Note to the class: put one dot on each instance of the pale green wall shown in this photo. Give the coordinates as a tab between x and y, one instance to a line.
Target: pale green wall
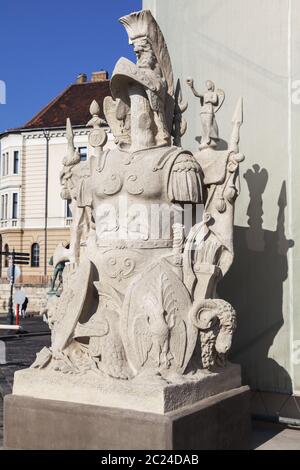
251	49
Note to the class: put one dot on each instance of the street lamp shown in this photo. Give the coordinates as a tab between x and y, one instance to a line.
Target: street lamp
47	137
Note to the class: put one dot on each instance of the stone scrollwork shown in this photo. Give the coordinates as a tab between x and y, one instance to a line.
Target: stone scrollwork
118	272
132	185
112	185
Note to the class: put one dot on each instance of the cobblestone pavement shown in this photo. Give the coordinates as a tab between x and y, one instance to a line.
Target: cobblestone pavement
20	352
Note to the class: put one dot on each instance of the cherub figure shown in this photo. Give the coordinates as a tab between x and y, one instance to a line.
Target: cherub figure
210	101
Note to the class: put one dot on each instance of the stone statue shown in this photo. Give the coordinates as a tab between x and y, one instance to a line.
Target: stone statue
139	323
210	101
58	260
57	275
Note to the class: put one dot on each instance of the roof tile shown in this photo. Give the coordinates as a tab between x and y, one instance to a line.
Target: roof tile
73	102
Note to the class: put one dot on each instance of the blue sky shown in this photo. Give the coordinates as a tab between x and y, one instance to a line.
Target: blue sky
45	44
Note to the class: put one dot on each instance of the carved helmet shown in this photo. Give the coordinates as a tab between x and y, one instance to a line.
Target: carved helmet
153	69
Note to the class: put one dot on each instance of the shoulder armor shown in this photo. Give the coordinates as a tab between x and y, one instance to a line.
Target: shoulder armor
185	162
185	179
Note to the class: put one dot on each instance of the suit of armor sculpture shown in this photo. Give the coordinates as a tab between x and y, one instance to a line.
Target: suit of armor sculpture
139	302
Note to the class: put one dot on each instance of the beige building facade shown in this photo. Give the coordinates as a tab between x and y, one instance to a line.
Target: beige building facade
28	222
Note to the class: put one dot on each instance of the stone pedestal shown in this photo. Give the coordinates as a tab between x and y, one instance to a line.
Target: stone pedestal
156	396
218	422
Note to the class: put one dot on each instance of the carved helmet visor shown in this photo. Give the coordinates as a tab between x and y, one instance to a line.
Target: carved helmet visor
126	73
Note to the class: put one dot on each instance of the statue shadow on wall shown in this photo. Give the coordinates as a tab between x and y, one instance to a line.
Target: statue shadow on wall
254	286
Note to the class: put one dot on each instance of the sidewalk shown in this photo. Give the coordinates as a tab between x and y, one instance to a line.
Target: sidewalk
267	436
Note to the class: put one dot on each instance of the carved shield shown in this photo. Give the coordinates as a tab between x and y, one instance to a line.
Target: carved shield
71	304
156	330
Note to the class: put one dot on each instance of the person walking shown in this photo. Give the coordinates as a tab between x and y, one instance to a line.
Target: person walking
24	307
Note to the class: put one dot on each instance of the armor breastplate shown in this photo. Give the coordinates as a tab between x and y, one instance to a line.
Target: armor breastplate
129	192
136	174
134	201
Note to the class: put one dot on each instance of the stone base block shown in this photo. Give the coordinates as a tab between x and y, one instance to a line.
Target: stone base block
151	395
219	422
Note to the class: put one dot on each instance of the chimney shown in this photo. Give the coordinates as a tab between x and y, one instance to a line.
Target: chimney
99	76
81	78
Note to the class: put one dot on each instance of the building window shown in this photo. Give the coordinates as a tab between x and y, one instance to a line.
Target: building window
5	164
35	255
0	256
83	153
68	209
6	259
4	206
16	162
15	206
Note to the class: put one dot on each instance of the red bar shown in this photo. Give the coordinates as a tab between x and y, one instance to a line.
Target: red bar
17	315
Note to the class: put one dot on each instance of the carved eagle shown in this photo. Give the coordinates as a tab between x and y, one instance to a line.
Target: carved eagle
158	332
